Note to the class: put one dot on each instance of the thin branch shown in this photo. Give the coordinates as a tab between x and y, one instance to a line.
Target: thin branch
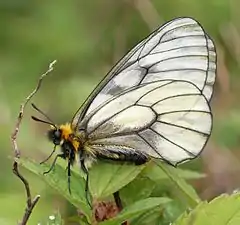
30	203
118	203
118	200
22	107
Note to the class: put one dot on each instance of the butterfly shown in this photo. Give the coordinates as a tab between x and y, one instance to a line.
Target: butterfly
154	104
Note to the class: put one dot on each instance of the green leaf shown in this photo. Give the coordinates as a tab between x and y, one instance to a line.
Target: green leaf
136	209
172	211
139	188
77	219
153	172
152	217
187	193
223	210
107	178
57	179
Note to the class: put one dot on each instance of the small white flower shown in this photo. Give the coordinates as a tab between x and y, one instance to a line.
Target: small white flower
52	217
235	191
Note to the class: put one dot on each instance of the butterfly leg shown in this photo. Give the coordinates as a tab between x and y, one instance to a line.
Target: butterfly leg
87	182
69	175
84	169
45	160
54	162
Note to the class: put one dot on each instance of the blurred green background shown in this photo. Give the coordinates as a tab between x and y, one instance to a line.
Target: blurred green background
87	38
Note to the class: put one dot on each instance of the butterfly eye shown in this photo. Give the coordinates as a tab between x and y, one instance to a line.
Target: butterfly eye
57	134
57	137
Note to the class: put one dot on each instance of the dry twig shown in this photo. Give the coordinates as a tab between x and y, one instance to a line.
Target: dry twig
30	203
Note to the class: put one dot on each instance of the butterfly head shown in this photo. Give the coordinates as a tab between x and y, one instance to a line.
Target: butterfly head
55	132
55	135
59	134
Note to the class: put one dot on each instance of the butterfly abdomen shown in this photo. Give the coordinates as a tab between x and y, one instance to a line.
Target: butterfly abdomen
132	157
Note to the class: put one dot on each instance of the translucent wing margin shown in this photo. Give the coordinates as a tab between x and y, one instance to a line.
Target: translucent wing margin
179	50
168	119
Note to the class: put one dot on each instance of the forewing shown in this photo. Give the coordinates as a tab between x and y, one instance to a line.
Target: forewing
167	119
179	50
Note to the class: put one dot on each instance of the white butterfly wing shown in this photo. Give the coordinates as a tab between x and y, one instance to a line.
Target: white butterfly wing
170	120
179	50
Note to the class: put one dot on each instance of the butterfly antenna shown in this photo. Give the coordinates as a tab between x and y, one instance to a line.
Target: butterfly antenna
50	122
40	111
43	121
